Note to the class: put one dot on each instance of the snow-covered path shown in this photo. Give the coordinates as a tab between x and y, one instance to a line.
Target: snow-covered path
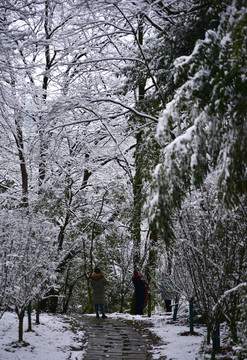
54	339
173	346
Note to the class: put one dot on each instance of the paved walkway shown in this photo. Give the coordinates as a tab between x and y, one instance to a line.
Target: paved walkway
112	339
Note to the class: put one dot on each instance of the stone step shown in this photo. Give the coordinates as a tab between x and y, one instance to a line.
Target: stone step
112	339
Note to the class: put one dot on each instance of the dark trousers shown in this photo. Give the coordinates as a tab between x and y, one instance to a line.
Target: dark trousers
139	306
168	305
102	310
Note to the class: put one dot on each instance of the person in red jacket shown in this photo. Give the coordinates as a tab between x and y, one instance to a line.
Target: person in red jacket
140	292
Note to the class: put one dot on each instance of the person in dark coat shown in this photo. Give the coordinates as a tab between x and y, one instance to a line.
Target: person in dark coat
140	292
98	282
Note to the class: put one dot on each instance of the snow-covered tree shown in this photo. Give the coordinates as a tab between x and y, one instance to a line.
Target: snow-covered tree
207	115
27	259
209	255
202	132
58	135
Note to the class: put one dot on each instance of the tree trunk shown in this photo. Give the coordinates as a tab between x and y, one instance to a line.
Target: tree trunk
38	313
66	303
122	304
24	176
151	265
29	312
90	296
137	211
20	315
51	301
133	304
149	305
138	178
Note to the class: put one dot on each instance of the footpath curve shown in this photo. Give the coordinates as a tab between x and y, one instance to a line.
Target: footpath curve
112	339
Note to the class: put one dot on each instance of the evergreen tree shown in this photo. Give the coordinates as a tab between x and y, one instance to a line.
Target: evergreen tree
207	115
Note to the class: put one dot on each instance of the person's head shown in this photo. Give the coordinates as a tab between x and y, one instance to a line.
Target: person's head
97	270
135	272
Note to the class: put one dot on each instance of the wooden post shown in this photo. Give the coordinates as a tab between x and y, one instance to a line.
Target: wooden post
191	316
149	305
175	311
216	337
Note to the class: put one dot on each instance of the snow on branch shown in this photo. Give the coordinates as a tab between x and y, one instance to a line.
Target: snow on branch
136	112
227	293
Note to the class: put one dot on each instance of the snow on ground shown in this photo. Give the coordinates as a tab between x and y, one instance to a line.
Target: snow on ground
177	346
54	340
51	340
174	346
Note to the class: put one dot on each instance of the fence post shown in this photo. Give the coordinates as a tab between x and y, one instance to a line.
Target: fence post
175	309
216	336
191	316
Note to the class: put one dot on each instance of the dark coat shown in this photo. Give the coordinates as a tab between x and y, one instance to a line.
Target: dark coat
139	285
98	282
